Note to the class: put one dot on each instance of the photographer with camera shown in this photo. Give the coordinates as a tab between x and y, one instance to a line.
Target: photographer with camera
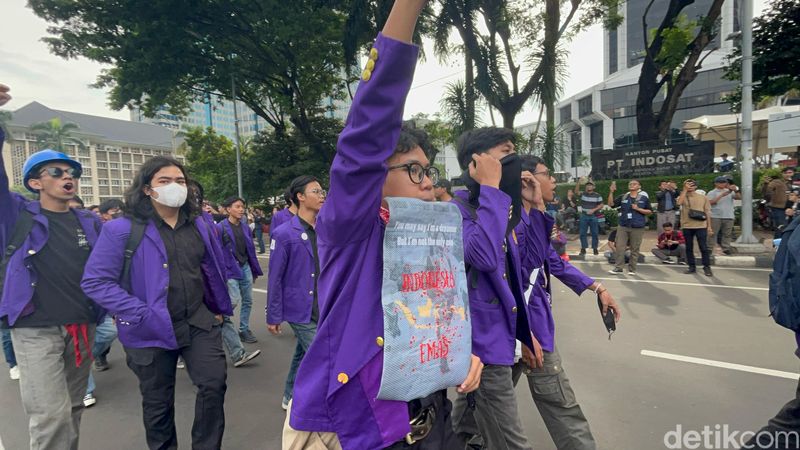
696	222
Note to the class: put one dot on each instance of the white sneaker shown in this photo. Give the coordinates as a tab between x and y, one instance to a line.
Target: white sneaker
285	404
89	400
13	373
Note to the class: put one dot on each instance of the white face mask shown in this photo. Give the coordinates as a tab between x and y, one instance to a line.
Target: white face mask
172	195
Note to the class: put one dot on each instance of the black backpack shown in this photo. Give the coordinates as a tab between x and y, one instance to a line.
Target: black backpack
784	281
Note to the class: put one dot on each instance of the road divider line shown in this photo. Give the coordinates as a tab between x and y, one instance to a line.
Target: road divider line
749	269
263	291
722	365
676	283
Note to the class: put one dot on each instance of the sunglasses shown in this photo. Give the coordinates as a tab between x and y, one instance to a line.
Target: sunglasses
58	172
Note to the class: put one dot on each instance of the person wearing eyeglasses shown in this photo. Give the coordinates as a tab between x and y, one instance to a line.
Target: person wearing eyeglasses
335	402
52	321
293	273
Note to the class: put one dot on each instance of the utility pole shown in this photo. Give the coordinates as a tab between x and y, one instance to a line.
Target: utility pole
747	125
238	139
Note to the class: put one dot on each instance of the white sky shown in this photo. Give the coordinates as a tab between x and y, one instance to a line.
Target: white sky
34	74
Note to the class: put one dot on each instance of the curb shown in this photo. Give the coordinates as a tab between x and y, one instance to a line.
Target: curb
759	261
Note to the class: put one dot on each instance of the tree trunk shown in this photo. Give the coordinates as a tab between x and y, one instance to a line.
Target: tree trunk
469	86
549	87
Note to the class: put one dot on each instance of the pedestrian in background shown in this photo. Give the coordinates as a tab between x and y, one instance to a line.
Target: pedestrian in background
590	203
722	212
696	224
777	193
667	199
634	207
670	243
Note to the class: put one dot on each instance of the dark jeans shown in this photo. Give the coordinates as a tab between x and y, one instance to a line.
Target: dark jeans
588	223
782	430
441	436
702	242
304	332
8	348
155	368
260	238
778	218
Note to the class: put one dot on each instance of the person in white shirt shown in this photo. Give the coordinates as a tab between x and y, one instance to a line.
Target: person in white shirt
722	216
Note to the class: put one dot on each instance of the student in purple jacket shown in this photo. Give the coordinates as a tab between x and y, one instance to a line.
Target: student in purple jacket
335	393
559	409
285	214
293	273
52	322
239	241
171	302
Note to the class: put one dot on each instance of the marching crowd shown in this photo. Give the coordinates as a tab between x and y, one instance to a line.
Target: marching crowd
158	272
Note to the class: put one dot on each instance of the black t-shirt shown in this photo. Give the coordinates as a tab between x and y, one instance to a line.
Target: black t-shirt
239	244
57	297
312	238
185	250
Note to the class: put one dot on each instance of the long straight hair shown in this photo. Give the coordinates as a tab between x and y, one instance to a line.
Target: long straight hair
138	205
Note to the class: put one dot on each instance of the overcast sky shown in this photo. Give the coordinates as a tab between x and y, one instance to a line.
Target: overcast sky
34	74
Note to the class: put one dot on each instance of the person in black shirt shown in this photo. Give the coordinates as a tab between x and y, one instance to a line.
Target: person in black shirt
51	320
293	274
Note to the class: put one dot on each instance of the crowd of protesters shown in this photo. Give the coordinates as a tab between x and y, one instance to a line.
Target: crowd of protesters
163	270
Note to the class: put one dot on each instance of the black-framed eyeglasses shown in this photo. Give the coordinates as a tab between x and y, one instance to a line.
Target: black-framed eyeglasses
417	173
58	172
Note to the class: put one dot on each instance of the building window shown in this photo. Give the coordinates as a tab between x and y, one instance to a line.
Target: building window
102	182
585	106
87	171
113	165
565	113
115	182
596	135
612	51
86	191
126	166
575	147
101	156
102	165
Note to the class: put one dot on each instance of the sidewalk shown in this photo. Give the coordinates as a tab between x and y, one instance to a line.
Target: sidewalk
650	240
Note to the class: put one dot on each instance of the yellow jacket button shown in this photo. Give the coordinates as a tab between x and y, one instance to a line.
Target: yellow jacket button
343	378
370	64
31	252
366	75
373	54
379	341
165	265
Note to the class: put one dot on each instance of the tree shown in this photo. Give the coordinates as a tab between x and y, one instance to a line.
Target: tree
776	53
56	135
5	120
211	160
673	57
500	48
286	56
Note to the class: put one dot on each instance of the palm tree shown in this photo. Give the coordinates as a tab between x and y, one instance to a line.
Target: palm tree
56	135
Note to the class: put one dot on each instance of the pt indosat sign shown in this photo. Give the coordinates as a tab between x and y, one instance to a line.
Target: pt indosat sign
638	162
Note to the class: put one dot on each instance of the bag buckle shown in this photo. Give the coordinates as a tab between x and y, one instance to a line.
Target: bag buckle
421	425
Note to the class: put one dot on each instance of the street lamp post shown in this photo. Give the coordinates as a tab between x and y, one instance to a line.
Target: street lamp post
746	236
238	139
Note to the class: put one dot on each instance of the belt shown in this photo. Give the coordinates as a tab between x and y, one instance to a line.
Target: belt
421	425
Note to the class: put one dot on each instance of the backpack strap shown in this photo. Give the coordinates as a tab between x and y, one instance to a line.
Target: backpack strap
134	239
471	209
22	228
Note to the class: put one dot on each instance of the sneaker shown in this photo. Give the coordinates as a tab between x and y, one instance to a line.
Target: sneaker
248	337
707	271
181	364
594	250
616	271
285	404
101	363
89	400
13	373
668	261
246	357
690	270
727	252
583	251
631	272
682	262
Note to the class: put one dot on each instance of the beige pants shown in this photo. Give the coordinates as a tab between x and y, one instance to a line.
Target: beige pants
307	440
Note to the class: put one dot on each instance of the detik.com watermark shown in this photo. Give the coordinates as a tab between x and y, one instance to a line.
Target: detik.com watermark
722	437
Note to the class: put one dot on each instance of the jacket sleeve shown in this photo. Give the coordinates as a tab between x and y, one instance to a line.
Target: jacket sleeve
278	261
483	238
102	273
567	273
536	243
367	141
10	202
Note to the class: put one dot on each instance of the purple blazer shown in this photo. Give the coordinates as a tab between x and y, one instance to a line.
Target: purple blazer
337	383
290	292
280	218
142	316
226	227
533	231
492	303
20	279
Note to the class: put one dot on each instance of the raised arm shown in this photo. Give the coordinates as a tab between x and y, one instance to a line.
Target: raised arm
371	132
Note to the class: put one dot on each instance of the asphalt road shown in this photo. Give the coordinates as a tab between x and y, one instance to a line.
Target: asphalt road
631	399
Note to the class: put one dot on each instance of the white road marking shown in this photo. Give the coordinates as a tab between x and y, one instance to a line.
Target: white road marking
263	291
721	364
622	279
749	269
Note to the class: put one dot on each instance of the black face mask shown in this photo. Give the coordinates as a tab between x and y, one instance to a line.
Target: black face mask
511	184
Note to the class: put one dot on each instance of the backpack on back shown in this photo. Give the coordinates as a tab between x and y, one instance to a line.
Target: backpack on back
784	281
